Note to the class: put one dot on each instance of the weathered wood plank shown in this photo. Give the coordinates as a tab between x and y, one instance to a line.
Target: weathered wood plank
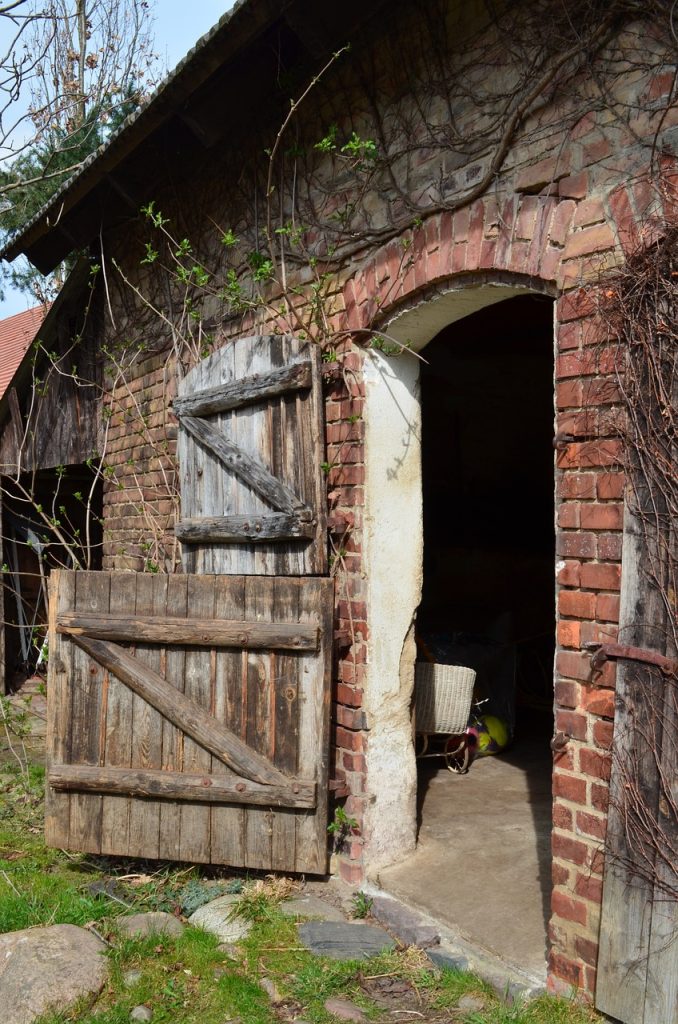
173	738
144	819
89	683
260	823
638	951
227	823
199	682
246	529
203	788
257	388
249	469
192	632
185	713
285	712
316	605
59	673
118	732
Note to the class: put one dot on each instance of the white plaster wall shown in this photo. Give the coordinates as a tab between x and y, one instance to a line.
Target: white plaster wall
393	551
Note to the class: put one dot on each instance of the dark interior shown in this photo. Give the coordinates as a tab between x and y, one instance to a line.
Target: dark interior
71	497
488	594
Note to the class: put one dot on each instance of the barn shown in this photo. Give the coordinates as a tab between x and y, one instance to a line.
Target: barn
368	360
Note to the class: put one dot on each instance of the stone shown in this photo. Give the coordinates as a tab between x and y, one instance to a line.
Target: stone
471	1004
271	991
141	1013
344	941
446	960
215	917
311	906
156	922
46	968
344	1009
231	951
408	926
131	978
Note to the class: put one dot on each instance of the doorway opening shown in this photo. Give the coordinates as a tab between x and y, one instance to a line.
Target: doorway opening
482	864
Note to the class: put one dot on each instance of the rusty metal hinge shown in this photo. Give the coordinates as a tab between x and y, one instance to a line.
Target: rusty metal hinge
603	652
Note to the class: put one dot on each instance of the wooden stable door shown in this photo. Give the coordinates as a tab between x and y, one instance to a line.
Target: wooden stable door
188	717
251	448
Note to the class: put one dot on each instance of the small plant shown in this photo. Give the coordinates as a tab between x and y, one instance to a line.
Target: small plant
259	898
341	827
362	905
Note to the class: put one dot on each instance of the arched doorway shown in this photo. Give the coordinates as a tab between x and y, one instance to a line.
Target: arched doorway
470	430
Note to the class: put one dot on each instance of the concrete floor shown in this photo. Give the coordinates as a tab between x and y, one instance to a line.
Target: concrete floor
482	867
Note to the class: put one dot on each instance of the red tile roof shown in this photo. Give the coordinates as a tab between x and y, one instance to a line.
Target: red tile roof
16	334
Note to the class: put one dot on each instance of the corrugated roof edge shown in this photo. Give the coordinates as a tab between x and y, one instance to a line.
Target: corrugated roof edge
153	106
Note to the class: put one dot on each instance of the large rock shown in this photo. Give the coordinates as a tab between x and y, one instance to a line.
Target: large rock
155	922
45	968
343	941
215	917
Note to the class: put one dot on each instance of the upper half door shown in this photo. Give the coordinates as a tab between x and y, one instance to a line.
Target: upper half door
251	446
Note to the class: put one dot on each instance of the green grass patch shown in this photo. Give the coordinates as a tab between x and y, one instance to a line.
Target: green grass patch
188	980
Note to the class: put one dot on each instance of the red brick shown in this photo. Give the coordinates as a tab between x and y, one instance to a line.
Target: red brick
569	394
574	665
600	797
577	545
599	702
607	608
569	335
569	635
603	734
601	517
595	764
349	740
591	825
568	515
589	887
569	788
351	873
544	172
587	949
577	303
560	875
610	547
574	187
576	605
568	970
585	454
349	695
562	817
572	724
568	574
577	485
561	222
589	211
589	983
600	577
567	908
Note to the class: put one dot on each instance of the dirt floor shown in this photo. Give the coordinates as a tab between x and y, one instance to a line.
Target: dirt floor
482	867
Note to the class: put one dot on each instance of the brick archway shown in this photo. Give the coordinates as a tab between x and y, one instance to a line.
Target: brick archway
437	272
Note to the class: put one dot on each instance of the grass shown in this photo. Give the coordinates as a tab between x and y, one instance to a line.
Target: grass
189	980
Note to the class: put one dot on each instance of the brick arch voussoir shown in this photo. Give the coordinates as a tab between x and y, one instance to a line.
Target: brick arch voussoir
523	236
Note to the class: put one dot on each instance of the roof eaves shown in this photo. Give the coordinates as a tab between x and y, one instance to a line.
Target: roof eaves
188	75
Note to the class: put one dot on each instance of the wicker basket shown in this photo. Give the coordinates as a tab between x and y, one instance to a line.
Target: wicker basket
442	697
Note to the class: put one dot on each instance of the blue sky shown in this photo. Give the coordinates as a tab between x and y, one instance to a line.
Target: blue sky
178	24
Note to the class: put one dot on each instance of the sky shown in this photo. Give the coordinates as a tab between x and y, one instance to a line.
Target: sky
178	24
